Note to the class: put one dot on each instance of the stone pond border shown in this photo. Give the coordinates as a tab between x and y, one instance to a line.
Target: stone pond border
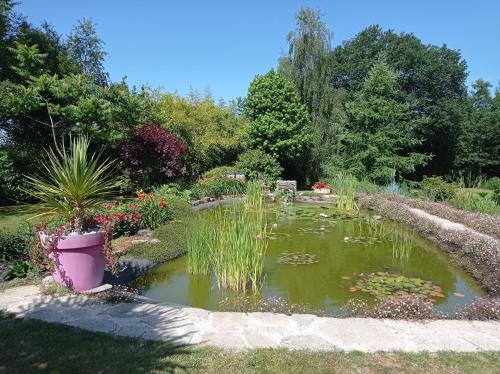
239	331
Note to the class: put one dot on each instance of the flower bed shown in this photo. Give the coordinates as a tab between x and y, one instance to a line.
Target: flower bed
478	255
484	223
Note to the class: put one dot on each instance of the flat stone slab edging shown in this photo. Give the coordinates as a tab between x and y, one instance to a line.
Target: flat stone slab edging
239	331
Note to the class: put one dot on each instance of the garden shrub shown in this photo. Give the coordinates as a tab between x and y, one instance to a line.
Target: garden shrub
21	269
257	164
219	172
13	185
484	309
16	245
174	189
482	202
125	219
491	184
496	196
173	243
156	209
153	155
437	189
146	211
217	187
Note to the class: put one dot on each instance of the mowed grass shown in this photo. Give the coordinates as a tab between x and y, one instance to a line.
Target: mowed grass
13	216
28	346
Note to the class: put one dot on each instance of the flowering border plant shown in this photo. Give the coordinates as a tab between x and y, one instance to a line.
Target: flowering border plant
320	185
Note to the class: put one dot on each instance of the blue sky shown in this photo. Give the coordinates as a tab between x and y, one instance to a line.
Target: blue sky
222	45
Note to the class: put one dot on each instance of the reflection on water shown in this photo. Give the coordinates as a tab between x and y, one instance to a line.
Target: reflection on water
342	248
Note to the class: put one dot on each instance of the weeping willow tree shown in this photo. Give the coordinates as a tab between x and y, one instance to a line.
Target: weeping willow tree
308	65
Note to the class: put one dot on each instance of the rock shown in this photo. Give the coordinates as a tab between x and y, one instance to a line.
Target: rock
144	232
377	217
324	215
48	279
102	288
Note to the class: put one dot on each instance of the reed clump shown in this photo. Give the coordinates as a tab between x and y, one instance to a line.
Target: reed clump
346	187
231	243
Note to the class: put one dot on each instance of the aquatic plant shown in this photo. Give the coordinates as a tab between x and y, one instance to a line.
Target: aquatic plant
199	239
232	243
402	243
254	195
296	258
383	285
345	185
373	227
365	240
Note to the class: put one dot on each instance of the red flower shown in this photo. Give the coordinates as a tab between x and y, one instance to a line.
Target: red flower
319	185
163	203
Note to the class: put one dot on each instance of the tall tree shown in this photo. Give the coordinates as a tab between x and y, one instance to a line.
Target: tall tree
479	143
279	122
432	80
380	131
85	47
308	66
308	49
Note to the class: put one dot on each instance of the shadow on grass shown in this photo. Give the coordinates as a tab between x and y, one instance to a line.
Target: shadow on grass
120	340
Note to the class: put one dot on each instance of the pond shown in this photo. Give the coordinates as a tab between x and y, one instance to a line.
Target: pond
321	257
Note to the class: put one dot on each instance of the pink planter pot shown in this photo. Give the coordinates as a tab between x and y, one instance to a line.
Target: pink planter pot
79	260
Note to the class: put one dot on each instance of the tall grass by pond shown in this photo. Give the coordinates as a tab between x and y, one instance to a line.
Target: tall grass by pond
345	185
402	239
200	237
232	243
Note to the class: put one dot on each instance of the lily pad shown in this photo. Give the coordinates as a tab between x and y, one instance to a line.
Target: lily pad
296	258
383	285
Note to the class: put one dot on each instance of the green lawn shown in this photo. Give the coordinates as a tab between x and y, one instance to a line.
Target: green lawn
12	216
32	346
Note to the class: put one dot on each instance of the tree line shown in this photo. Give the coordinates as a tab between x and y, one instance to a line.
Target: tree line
382	106
386	105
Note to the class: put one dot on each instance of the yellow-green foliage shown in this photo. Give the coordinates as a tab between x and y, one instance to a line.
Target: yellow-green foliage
212	132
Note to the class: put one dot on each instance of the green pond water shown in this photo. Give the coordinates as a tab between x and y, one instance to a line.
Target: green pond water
338	249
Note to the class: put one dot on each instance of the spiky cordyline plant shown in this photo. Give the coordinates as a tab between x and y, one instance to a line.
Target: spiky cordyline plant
74	182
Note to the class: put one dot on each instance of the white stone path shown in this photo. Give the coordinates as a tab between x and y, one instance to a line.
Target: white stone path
185	325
